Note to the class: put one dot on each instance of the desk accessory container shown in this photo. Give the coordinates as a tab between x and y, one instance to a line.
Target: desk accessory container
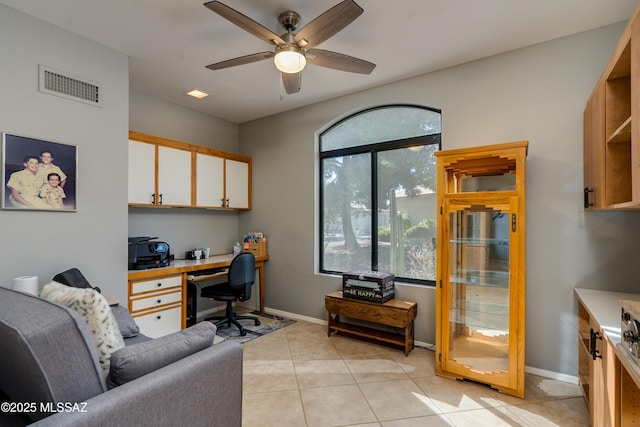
255	243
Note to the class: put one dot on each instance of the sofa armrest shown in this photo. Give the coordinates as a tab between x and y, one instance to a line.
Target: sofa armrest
204	389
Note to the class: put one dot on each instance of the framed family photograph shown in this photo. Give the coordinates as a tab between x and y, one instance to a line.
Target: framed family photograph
38	174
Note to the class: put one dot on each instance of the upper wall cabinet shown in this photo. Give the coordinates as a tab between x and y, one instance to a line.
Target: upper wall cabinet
611	143
237	177
209	181
163	172
222	182
159	175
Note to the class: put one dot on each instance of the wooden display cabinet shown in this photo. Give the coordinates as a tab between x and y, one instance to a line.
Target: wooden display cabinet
480	293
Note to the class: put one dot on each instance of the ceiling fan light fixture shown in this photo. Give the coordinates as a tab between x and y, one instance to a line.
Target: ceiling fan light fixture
289	60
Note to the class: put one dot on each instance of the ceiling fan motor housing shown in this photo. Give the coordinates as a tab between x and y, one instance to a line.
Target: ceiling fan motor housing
289	20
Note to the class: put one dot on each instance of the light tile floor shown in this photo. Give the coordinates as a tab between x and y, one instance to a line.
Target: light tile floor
299	377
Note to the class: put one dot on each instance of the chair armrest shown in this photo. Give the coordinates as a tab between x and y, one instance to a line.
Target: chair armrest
203	389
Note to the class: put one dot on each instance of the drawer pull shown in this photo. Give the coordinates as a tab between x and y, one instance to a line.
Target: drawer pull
159	301
159	284
158	317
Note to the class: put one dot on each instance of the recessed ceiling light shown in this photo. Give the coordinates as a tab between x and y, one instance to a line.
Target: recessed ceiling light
197	94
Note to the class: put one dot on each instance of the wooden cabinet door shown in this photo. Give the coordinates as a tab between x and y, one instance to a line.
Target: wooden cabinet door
480	323
209	181
605	382
237	184
174	176
142	173
594	146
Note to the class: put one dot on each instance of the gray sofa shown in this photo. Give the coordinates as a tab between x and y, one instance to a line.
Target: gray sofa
50	376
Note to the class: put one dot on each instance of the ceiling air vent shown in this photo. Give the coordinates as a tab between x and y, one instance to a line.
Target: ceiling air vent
62	84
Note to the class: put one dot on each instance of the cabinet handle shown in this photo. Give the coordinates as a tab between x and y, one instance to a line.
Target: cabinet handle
153	198
222	202
158	317
160	199
159	284
592	344
587	190
159	301
227	202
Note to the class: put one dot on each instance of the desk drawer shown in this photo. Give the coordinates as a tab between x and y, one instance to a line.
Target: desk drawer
157	300
156	284
161	322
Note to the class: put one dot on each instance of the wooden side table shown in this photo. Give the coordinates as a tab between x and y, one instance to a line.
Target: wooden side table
396	313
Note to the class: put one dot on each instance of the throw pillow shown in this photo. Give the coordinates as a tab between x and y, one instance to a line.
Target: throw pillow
137	360
95	311
126	324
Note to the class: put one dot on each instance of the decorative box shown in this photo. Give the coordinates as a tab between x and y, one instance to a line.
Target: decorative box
372	286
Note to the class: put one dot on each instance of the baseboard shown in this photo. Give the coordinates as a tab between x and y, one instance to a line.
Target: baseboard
551	375
534	371
294	316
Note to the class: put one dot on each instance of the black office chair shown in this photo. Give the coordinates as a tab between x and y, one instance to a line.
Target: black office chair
241	275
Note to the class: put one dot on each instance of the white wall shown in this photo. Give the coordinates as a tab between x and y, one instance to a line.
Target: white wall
536	94
94	238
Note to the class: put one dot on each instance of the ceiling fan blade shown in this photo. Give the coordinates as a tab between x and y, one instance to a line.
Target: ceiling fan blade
328	24
292	82
339	61
245	22
247	59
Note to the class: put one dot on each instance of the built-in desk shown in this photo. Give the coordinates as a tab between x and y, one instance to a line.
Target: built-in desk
157	296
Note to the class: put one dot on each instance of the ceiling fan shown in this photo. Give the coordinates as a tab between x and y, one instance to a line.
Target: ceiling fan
294	50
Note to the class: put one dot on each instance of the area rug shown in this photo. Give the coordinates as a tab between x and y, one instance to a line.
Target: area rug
268	323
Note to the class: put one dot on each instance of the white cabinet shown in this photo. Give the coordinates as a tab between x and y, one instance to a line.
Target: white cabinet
164	172
142	173
160	323
157	305
209	181
237	184
159	175
222	182
174	176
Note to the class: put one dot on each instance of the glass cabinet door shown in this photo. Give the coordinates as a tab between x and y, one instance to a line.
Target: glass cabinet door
477	288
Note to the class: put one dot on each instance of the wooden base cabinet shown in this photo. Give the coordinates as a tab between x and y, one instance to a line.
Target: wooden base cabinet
157	304
608	373
480	289
598	371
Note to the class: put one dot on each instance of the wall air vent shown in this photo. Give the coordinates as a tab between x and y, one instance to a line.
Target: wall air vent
55	82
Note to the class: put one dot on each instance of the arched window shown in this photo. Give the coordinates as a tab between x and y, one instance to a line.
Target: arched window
377	193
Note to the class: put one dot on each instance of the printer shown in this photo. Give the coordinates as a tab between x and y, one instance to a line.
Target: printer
145	252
